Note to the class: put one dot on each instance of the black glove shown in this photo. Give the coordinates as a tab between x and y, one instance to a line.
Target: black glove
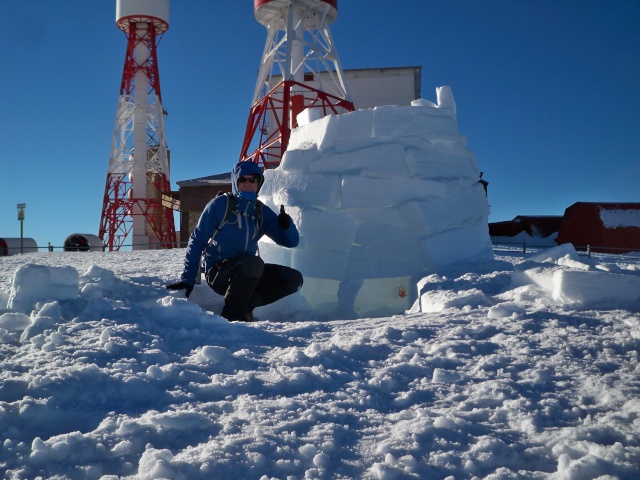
284	220
181	286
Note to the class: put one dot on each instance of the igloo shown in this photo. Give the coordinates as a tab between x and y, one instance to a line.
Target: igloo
382	197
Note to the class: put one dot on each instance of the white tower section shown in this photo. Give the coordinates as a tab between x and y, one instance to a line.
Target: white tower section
139	161
299	41
299	48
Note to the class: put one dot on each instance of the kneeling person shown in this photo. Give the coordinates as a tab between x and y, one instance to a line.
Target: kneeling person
232	267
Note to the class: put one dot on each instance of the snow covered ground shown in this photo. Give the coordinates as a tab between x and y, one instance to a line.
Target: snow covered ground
527	368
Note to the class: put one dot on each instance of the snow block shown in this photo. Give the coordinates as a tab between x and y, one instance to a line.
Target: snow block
540	276
338	164
439	300
320	262
382	160
309	115
427	160
96	281
595	288
14	321
37	283
383	218
385	192
384	296
445	249
296	161
328	228
370	298
275	253
445	100
367	262
355	125
462	205
320	135
319	190
421	102
570	281
392	121
373	235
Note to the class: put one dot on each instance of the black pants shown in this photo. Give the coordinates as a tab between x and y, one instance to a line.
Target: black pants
246	282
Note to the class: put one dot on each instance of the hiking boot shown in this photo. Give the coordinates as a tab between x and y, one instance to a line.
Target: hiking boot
247	317
236	316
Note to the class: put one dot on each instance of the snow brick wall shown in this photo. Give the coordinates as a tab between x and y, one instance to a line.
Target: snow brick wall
382	197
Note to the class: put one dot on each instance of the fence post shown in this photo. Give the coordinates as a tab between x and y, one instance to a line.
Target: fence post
524	247
589	251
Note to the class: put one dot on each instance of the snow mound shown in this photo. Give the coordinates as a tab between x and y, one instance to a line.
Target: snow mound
36	283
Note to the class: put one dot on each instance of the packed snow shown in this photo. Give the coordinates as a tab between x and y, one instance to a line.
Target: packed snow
524	368
381	197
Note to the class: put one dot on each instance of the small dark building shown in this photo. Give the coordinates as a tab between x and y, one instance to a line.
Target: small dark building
82	242
538	230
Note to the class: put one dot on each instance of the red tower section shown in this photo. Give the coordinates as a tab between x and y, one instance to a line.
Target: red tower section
300	70
138	176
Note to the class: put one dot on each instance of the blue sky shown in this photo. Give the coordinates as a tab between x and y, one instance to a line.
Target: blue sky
546	90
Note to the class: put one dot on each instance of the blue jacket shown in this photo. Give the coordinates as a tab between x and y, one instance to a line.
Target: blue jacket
239	235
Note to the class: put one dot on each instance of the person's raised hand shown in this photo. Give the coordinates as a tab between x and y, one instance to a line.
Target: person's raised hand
284	220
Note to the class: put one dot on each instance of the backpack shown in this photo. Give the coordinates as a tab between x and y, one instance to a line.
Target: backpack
232	203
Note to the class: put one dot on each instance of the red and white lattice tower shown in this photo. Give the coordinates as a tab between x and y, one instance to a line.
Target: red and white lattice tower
139	163
300	70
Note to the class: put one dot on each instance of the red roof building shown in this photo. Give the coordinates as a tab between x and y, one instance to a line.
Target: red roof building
603	227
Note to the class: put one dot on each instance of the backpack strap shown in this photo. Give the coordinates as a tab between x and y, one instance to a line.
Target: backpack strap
258	215
229	210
